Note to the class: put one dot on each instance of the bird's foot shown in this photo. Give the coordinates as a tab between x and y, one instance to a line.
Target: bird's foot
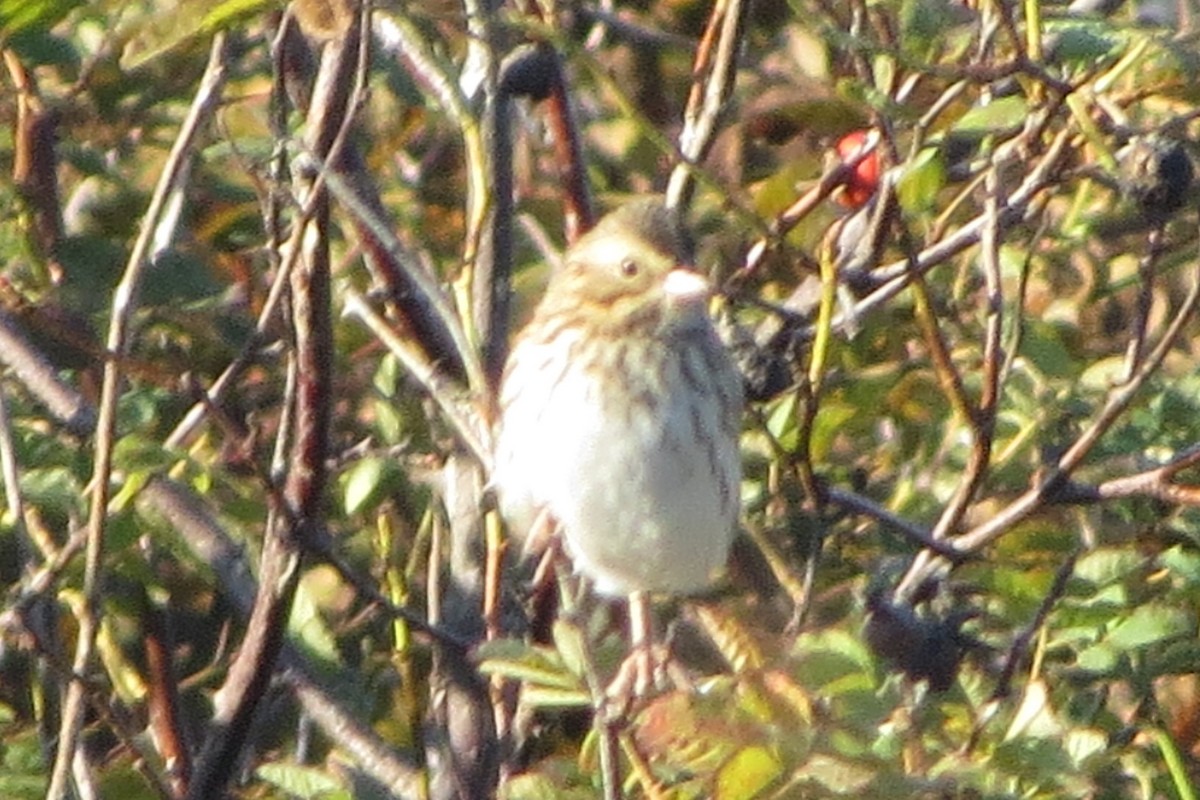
645	672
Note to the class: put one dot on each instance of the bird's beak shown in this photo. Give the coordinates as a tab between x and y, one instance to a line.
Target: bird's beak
682	285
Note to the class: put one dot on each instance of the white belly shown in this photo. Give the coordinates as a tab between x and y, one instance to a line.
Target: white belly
645	500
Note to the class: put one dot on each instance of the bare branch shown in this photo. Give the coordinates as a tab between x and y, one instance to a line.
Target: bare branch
713	77
124	304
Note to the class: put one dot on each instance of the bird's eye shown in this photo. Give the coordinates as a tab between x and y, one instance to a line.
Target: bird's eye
629	268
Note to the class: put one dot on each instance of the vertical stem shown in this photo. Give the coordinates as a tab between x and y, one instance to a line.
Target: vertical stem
124	305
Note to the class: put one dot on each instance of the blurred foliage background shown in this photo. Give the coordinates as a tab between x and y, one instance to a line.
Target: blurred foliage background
981	342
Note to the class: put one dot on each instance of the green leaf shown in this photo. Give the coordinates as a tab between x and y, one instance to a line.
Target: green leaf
231	12
1107	565
921	182
1102	373
54	489
1183	563
1045	346
361	482
17	16
545	697
1175	658
23	772
781	421
308	783
842	776
922	23
1149	624
41	48
181	22
135	452
308	627
830	418
516	660
177	278
832	654
570	644
751	770
124	781
1007	113
388	374
1038	758
1082	44
1101	659
532	787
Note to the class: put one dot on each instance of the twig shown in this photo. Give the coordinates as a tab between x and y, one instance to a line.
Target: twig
550	84
983	418
466	421
1054	482
1017	328
204	537
124	304
1154	483
401	38
434	296
861	505
492	267
939	352
209	544
41	379
164	724
9	471
1146	271
35	163
1020	644
340	82
286	36
712	85
1021	203
779	227
623	25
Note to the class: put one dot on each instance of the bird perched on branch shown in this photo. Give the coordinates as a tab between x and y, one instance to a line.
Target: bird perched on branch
620	412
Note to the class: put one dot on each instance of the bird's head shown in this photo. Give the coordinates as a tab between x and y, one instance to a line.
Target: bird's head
632	269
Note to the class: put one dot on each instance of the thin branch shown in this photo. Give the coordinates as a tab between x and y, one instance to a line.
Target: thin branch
1017	328
41	379
10	473
339	86
314	686
1156	483
1022	203
124	305
623	25
713	77
398	36
858	504
164	722
35	164
1020	644
779	227
1054	482
464	418
422	281
982	419
492	275
1155	245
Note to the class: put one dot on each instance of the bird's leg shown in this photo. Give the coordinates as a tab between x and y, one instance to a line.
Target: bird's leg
640	672
540	539
641	637
551	563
